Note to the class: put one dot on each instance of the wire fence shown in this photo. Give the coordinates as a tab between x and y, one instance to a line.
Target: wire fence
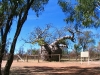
62	58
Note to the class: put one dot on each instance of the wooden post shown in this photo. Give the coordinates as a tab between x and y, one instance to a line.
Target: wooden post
59	57
17	59
88	60
38	58
81	60
27	58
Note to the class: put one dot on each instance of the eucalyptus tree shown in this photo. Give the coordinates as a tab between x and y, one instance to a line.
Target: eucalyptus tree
82	13
10	10
86	39
32	51
21	51
93	52
89	10
98	49
77	49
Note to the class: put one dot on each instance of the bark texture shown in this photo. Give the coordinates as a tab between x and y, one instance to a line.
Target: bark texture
47	51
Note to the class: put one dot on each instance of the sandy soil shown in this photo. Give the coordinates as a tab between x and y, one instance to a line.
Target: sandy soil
54	68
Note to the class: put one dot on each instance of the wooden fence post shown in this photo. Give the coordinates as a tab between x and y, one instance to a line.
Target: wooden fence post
27	58
38	58
17	59
59	57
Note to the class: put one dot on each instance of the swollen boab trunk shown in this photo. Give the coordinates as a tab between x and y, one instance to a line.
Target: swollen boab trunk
47	51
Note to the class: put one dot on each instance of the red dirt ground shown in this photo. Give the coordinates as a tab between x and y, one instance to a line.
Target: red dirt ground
55	68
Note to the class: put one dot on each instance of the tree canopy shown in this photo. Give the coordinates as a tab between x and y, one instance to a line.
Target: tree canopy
81	12
86	39
10	10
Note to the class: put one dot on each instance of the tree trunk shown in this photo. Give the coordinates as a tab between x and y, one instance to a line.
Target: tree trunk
49	52
1	63
8	64
11	56
3	39
21	20
46	52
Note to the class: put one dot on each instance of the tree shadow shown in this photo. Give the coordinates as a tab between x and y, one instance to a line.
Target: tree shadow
44	70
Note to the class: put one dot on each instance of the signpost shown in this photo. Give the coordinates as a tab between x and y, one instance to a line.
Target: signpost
85	55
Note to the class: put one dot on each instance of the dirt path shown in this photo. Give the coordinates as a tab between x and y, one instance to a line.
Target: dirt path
55	68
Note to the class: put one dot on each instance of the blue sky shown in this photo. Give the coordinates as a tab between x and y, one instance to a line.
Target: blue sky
52	14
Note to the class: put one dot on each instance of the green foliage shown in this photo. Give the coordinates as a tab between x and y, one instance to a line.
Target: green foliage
81	12
87	9
68	10
38	6
41	41
32	51
64	5
10	10
39	35
64	52
77	48
35	52
86	39
98	46
63	41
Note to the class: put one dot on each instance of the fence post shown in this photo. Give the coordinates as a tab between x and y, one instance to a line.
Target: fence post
17	59
26	58
38	58
59	57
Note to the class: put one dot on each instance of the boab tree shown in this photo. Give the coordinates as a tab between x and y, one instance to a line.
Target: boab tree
48	47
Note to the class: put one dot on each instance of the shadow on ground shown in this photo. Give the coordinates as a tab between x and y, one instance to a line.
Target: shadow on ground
74	70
